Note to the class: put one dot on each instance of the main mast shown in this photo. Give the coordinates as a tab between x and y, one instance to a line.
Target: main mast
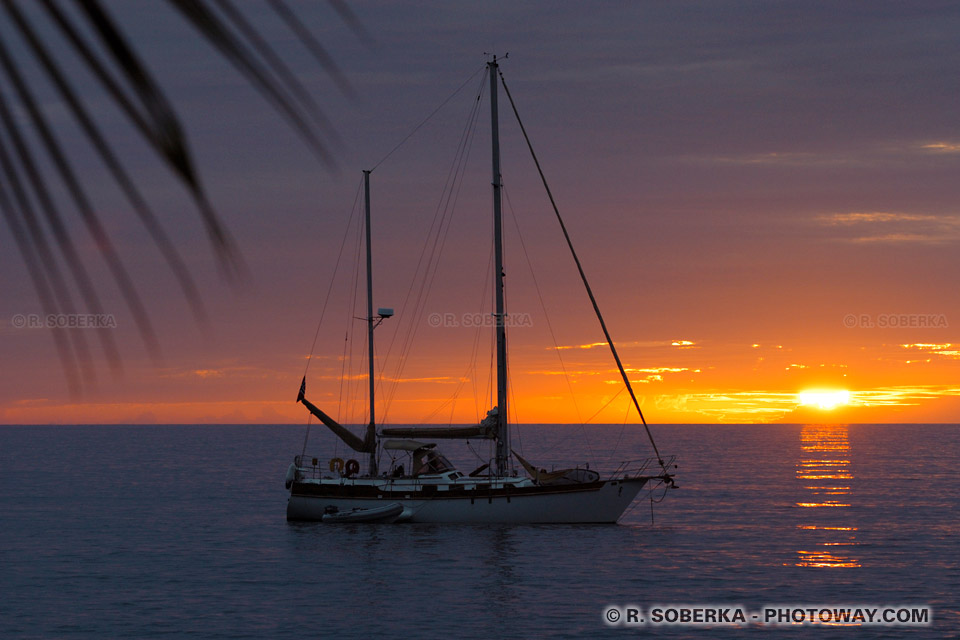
503	434
370	326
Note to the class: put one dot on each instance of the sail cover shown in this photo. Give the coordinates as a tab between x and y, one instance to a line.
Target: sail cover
486	430
430	433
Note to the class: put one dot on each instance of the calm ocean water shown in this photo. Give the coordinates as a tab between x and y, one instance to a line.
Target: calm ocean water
179	531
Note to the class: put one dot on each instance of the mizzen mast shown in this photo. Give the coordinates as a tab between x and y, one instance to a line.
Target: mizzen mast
372	428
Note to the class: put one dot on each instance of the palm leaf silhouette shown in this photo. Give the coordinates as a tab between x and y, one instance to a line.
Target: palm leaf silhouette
39	226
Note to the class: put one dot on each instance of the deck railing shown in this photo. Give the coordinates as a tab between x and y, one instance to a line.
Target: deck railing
645	467
311	467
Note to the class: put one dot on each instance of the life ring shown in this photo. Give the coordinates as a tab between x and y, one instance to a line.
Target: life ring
352	468
336	464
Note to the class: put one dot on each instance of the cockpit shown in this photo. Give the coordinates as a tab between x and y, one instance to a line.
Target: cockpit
426	461
429	462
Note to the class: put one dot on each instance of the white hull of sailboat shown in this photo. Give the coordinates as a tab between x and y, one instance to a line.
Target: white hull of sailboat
598	502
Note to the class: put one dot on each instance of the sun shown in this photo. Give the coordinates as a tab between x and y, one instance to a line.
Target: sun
825	400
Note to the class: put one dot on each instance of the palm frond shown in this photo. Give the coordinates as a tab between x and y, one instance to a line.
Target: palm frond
38	224
244	59
96	137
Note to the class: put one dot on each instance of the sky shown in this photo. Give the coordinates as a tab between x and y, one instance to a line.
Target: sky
763	195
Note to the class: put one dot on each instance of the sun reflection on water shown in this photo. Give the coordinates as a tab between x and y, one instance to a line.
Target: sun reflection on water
825	458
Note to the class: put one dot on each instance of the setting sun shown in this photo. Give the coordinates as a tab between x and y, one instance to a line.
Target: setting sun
824	399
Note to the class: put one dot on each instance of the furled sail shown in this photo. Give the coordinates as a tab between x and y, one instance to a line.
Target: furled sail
486	430
439	432
367	445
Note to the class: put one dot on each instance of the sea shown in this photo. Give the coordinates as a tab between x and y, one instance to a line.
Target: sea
180	532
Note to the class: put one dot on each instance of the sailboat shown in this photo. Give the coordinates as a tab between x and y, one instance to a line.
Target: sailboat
433	490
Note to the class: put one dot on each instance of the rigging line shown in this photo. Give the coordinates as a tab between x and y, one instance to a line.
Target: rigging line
649	494
471	369
451	401
452	203
428	417
425	120
343	364
344	403
306	437
347	354
474	452
512	404
492	335
553	336
511	397
333	278
444	212
453	406
344	399
480	412
436	224
323	312
663	495
357	403
491	371
351	315
453	198
583	276
623	426
360	386
470	372
607	404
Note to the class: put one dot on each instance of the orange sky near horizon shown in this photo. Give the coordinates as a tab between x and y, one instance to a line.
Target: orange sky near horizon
764	205
681	384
